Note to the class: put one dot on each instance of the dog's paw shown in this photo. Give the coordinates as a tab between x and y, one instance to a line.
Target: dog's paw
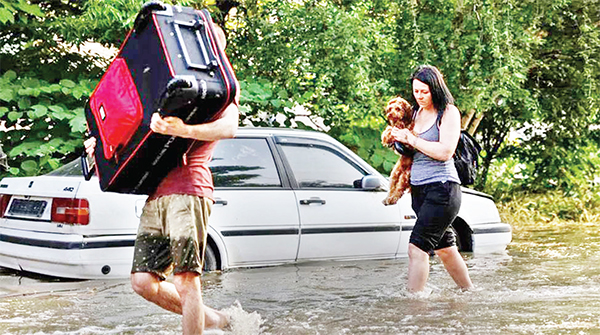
389	201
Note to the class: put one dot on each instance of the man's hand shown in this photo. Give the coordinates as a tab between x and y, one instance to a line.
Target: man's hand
169	125
90	145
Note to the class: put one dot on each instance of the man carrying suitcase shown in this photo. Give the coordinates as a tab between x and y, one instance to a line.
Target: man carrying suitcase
172	232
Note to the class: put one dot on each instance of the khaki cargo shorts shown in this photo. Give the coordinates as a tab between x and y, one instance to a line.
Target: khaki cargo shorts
172	235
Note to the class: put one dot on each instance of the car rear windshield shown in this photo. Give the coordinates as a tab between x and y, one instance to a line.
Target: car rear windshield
72	168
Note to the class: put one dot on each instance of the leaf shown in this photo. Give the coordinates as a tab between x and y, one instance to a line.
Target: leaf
29	166
24	103
78	123
9	76
7	95
282	94
6	15
30	148
54	163
388	166
14	116
56	108
307	95
67	83
31	82
38	111
30	9
55	87
376	159
78	93
3	111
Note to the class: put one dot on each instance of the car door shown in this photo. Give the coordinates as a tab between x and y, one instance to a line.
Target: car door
255	209
338	219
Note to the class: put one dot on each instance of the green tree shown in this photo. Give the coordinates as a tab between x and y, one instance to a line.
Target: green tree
42	86
528	66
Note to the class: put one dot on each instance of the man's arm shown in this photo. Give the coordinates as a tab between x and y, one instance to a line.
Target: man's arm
224	127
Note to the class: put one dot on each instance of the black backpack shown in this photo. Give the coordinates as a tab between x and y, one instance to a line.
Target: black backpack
466	158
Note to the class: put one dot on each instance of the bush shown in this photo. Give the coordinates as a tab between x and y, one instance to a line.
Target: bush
553	206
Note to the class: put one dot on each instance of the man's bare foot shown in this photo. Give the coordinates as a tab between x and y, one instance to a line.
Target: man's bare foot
215	319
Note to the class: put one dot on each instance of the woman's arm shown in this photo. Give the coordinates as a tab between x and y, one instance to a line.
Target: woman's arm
449	135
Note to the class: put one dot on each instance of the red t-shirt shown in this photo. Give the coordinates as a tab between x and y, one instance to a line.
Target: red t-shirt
192	176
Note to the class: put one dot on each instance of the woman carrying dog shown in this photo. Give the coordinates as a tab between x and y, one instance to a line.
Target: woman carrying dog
435	186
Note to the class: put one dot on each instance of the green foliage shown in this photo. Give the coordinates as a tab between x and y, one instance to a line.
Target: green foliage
12	11
350	57
323	56
527	66
44	83
44	121
552	206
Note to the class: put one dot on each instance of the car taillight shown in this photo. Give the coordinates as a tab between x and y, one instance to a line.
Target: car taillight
4	200
73	211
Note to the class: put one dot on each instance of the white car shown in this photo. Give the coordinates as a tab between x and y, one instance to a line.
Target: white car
282	196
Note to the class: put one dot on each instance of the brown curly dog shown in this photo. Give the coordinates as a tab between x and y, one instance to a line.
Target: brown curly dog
399	113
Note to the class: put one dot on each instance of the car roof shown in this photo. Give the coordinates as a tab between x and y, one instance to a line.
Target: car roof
269	131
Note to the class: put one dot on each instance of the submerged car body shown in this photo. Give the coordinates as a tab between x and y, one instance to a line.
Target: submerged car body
281	196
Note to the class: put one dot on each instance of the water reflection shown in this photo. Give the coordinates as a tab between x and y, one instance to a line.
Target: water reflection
547	282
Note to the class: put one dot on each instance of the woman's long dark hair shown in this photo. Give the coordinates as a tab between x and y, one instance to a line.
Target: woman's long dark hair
440	94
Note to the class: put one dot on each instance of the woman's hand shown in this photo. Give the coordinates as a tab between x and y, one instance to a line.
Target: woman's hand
404	136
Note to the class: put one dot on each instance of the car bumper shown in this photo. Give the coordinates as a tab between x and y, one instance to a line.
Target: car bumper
486	237
67	255
491	237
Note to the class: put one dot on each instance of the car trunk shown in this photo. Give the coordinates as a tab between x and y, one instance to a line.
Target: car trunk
42	204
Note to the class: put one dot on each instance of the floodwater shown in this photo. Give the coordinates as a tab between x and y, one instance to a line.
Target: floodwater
547	282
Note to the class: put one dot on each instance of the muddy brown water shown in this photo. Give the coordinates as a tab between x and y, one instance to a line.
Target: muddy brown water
547	282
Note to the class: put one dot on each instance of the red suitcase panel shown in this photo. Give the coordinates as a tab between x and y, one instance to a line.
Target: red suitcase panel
117	108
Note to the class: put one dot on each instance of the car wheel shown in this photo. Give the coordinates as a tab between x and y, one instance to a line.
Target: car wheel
464	235
210	259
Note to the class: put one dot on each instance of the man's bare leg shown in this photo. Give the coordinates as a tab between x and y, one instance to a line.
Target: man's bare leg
165	295
192	308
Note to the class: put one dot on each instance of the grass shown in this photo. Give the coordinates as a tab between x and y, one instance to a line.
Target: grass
553	206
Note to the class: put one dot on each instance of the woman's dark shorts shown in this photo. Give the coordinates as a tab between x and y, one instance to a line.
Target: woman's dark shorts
436	205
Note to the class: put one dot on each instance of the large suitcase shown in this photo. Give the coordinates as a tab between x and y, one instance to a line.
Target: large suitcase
169	63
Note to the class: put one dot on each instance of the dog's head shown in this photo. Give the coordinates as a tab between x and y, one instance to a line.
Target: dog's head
399	113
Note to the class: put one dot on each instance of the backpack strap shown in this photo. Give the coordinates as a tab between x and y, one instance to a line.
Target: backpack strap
439	118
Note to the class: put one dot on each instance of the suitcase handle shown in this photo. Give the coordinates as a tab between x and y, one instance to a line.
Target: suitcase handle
88	166
141	21
182	88
177	83
198	28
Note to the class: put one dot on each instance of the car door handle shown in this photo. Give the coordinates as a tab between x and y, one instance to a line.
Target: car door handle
312	201
219	201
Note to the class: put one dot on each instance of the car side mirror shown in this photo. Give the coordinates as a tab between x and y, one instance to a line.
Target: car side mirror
370	183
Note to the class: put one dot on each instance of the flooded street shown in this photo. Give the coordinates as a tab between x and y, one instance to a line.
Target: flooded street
548	282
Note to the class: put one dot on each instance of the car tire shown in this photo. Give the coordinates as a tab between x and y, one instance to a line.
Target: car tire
464	235
210	260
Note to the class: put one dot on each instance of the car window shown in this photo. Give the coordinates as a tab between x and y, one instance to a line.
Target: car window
318	167
72	168
244	162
